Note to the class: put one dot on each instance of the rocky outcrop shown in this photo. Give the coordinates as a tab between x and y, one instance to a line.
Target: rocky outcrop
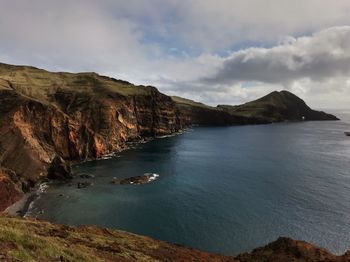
59	169
136	180
286	249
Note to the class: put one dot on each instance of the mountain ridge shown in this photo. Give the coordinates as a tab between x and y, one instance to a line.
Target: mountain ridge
278	106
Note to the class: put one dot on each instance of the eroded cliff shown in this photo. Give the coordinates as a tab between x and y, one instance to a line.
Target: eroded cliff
51	119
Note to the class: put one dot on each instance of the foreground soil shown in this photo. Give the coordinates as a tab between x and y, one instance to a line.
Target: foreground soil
34	240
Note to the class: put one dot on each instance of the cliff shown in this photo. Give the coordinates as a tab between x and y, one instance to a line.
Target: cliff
274	107
34	240
49	120
194	113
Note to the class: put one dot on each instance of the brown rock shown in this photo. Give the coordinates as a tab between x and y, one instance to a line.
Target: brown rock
286	249
59	169
9	192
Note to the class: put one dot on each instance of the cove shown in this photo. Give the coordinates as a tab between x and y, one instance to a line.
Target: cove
221	189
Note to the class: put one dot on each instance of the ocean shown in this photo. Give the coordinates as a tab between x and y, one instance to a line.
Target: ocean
220	189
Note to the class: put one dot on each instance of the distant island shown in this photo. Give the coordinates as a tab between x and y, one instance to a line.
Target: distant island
52	120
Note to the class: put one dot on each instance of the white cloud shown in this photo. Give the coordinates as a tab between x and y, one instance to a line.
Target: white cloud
313	65
323	55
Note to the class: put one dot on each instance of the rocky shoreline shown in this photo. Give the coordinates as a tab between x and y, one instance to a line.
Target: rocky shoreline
22	206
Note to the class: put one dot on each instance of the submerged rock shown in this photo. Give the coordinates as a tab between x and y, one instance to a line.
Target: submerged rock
86	176
84	184
136	180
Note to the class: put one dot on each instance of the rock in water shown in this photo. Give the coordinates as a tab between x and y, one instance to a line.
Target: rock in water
86	176
136	180
83	184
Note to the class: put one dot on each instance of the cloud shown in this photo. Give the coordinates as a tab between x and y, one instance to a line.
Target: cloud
224	51
323	55
222	24
70	35
315	67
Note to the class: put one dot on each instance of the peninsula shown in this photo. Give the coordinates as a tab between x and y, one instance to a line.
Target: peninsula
50	120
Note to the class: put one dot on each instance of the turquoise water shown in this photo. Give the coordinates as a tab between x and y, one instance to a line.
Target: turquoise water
222	189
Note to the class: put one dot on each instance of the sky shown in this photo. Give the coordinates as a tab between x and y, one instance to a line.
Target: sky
212	51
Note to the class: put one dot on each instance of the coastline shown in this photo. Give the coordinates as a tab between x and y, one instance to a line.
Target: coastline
22	206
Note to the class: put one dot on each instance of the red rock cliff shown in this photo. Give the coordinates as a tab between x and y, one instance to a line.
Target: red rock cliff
50	119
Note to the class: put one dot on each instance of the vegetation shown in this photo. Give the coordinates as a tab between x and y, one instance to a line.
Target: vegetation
40	84
34	240
277	107
180	101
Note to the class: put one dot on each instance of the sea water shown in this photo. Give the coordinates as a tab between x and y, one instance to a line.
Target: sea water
221	189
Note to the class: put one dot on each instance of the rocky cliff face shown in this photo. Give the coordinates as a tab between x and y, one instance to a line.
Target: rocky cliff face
10	189
286	249
51	119
274	107
194	113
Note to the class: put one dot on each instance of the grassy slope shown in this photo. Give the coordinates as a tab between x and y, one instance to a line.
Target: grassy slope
39	84
190	103
277	107
33	240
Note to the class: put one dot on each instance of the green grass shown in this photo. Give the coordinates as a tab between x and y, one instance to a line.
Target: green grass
32	240
187	102
28	246
40	84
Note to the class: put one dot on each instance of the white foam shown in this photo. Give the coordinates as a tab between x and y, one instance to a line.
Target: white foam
42	188
108	156
153	177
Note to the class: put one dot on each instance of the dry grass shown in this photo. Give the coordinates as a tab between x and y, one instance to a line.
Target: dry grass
34	240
